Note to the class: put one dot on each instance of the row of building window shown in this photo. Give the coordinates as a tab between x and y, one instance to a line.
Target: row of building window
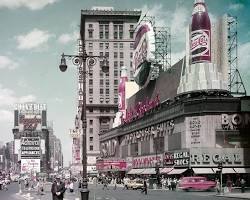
106	45
107	99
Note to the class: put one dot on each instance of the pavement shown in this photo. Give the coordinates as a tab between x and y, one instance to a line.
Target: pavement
97	193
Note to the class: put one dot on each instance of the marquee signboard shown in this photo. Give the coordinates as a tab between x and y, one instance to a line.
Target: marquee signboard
30	165
30	147
144	49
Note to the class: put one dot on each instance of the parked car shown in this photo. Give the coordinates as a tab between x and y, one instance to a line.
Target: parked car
135	184
196	183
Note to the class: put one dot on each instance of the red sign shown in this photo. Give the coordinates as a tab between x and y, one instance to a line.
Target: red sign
146	161
110	165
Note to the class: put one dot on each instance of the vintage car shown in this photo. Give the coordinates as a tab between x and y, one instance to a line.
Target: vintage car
134	184
196	183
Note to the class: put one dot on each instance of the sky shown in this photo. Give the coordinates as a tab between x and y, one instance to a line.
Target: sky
34	33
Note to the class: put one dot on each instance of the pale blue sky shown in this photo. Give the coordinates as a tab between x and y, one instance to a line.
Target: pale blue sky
34	33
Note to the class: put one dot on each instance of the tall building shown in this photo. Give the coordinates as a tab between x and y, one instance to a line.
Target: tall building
109	33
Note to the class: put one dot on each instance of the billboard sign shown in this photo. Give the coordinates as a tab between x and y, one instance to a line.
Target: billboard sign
30	147
30	165
144	53
30	116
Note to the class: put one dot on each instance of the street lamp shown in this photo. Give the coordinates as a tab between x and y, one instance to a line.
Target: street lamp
83	59
220	167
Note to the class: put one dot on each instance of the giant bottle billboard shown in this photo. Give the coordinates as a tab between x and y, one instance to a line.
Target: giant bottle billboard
200	36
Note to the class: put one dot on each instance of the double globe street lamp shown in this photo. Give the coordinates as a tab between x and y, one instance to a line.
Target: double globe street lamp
83	60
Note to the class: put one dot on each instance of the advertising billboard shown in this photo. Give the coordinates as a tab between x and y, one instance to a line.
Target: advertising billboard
30	116
30	147
30	165
144	53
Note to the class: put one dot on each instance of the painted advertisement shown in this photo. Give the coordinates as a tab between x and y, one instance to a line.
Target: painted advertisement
147	161
144	52
30	165
176	158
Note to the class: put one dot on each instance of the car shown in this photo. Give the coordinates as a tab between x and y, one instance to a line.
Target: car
135	184
196	183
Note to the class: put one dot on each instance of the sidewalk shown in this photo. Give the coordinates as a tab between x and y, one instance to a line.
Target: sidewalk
245	195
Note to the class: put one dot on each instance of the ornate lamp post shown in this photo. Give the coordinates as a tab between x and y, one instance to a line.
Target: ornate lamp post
83	60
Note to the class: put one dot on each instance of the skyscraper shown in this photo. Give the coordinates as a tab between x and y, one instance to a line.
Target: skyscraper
108	33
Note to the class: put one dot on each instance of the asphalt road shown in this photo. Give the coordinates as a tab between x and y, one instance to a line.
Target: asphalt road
97	193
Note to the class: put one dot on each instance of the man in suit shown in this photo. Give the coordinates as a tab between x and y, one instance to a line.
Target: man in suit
58	189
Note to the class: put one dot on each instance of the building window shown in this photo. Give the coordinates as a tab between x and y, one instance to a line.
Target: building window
121	45
90	53
118	31
107	82
91	139
131	54
106	45
131	27
131	64
90	81
91	122
121	55
115	100
115	45
115	54
107	55
90	99
90	91
116	73
90	34
134	149
101	90
115	82
91	147
115	64
115	91
101	73
101	45
145	147
90	130
159	144
101	81
90	45
101	54
90	25
121	63
107	91
131	34
91	73
132	45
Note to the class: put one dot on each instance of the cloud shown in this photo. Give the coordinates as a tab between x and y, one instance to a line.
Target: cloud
34	39
6	62
8	97
30	4
68	37
235	7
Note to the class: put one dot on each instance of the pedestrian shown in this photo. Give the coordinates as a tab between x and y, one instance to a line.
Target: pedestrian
71	187
229	184
217	186
105	183
145	187
58	189
115	184
242	184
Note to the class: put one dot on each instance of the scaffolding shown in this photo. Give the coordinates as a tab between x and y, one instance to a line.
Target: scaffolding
236	86
162	52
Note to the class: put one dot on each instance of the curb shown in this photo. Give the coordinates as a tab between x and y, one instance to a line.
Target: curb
229	196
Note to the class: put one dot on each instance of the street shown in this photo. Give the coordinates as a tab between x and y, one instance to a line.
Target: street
97	193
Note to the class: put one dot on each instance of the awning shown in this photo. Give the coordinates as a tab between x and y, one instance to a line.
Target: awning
148	171
135	171
225	170
203	170
165	170
242	170
177	171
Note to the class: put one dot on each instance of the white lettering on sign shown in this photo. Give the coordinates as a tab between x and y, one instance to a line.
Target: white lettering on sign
214	159
200	41
235	121
195	126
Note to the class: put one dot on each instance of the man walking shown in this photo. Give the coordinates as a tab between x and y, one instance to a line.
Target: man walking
58	189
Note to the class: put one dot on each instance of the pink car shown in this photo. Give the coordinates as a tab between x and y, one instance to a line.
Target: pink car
196	183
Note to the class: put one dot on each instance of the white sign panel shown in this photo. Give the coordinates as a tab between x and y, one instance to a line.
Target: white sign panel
17	146
30	165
